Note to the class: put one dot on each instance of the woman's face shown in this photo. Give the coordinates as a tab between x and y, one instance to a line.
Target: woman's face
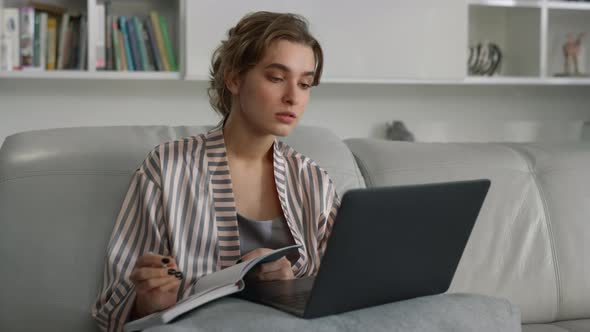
271	97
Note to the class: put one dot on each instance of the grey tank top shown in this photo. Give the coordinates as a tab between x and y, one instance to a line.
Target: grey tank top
270	234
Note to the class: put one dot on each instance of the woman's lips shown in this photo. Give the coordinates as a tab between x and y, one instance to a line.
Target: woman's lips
286	117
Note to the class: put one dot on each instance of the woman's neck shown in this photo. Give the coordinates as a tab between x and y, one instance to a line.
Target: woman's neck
244	142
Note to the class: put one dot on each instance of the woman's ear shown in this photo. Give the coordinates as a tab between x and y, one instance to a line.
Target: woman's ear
232	81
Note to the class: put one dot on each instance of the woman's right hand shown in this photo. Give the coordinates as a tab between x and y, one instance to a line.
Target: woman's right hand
156	279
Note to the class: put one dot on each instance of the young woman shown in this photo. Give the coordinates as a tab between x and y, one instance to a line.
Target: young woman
202	203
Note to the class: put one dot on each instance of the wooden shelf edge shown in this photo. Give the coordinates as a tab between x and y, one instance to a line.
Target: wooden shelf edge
568	5
85	75
508	3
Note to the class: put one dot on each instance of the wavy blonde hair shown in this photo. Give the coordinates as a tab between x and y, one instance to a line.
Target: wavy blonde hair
246	45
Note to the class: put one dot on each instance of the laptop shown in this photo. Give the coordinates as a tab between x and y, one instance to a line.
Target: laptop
388	244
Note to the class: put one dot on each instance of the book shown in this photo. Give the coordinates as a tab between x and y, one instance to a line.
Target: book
116	48
36	40
134	44
167	44
123	53
82	43
159	39
51	42
62	42
126	43
147	47
108	36
11	35
42	55
208	288
100	40
138	28
153	45
27	36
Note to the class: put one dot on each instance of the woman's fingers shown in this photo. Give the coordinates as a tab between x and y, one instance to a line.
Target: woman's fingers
275	266
255	253
278	270
153	260
282	274
167	282
170	287
145	273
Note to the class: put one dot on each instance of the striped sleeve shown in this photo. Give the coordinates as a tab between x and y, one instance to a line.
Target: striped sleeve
139	228
327	217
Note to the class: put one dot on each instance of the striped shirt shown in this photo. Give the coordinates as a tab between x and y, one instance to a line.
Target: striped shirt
180	203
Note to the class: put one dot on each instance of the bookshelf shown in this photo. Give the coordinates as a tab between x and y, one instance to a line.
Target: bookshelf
94	33
531	34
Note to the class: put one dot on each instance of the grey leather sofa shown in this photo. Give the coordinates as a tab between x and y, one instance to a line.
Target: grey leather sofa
526	261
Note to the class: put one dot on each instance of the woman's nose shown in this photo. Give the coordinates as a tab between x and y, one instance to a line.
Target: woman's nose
290	94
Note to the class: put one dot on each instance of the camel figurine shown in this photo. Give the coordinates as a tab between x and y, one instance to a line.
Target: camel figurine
571	52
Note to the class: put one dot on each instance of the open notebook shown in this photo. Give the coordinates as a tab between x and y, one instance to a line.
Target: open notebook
208	288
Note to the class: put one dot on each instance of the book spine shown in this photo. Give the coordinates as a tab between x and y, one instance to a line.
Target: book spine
159	40
147	47
100	36
140	42
5	54
109	42
63	33
82	43
51	42
108	35
11	35
115	38
128	55
27	36
154	46
71	45
36	41
122	49
134	44
167	44
43	40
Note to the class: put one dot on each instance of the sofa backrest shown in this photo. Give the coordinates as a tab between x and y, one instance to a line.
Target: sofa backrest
530	242
60	191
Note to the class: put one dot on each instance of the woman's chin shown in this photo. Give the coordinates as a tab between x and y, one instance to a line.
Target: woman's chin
282	130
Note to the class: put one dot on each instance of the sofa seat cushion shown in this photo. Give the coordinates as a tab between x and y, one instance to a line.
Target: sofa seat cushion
450	312
580	325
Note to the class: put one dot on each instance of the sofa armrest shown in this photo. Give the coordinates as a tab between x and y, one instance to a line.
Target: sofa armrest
447	312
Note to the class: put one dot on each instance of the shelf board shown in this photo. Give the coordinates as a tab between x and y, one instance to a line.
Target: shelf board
507	3
86	75
568	5
498	80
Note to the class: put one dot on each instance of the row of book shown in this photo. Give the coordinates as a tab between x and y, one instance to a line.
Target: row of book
40	36
133	43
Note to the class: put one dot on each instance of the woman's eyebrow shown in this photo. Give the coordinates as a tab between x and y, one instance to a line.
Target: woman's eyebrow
282	67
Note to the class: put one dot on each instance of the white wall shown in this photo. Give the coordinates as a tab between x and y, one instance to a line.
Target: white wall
433	113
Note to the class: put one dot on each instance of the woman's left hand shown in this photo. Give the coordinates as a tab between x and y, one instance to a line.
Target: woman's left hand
278	270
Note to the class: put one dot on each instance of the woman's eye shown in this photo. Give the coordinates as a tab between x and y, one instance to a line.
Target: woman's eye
305	85
275	79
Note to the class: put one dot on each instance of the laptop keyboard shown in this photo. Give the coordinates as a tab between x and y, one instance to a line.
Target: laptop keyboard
292	300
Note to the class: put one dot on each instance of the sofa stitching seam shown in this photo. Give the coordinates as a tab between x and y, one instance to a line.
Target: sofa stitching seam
548	224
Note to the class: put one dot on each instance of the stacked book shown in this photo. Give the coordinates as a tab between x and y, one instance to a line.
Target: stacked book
40	36
131	43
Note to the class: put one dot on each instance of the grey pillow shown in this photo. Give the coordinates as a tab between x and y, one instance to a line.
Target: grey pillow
447	312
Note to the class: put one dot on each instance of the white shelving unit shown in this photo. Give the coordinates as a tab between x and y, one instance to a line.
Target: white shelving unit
530	34
172	10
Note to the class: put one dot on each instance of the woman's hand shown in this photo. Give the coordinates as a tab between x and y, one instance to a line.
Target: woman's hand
278	270
156	279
